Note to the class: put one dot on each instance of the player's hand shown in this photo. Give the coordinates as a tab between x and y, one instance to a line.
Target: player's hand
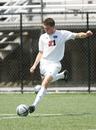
89	33
32	69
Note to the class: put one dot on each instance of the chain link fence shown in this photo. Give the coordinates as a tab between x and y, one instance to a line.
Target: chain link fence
20	47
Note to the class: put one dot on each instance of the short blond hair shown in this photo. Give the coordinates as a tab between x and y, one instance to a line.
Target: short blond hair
49	21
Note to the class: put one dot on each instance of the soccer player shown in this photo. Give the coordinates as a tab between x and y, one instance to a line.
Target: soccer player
51	52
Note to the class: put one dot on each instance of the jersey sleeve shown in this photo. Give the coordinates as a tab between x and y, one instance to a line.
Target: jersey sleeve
68	35
40	44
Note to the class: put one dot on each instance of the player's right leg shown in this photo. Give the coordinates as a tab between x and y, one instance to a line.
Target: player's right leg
43	88
48	73
38	98
37	88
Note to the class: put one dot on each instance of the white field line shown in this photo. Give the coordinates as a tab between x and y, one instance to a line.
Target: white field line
50	90
8	116
13	116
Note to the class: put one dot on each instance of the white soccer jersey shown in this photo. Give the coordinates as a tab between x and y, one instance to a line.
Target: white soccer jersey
53	46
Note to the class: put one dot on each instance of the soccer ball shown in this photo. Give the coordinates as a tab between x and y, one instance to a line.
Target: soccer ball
22	110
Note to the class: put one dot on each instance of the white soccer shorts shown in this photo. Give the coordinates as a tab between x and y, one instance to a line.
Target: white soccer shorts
49	68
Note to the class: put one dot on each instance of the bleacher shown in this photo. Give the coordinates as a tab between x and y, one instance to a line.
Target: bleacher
48	8
8	42
33	13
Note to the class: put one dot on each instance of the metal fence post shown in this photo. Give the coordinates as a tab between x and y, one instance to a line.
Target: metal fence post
21	55
88	41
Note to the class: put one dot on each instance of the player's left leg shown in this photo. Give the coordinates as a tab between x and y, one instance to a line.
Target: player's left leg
48	69
62	75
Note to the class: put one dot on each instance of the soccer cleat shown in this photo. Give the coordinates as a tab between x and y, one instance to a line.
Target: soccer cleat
31	109
65	75
36	92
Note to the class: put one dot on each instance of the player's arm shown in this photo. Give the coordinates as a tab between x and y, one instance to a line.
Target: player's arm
84	34
37	60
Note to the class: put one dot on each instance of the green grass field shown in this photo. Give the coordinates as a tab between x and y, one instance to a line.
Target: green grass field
65	111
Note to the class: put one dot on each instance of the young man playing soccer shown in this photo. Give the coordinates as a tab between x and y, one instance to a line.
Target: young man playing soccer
51	52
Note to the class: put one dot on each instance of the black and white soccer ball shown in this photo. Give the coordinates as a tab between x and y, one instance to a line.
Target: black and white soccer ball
22	110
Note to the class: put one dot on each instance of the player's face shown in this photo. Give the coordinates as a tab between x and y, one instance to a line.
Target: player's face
48	29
